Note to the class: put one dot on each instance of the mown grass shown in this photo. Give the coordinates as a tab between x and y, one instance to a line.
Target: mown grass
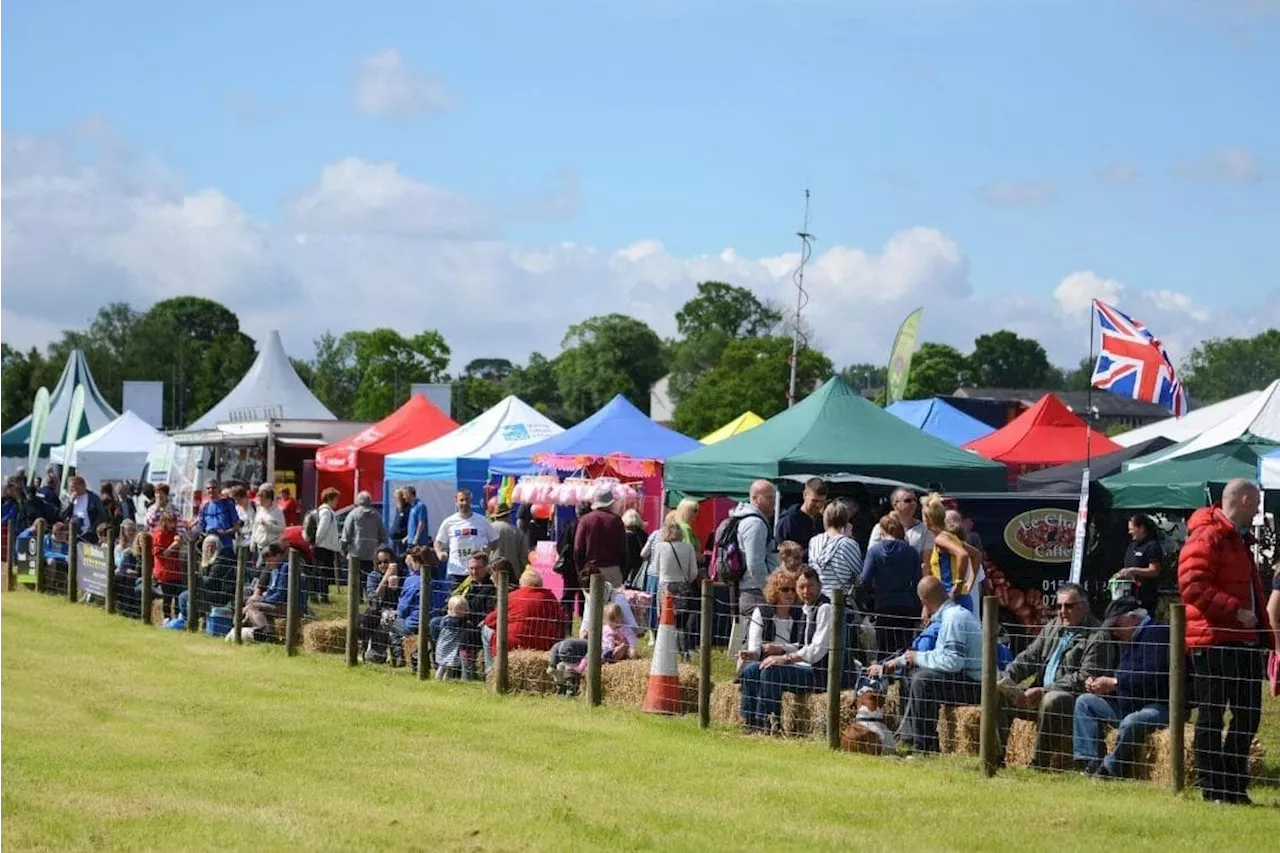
124	737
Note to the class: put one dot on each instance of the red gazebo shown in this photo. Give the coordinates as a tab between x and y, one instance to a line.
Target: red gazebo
1046	434
355	463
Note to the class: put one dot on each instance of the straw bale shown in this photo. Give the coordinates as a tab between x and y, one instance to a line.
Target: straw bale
411	647
968	729
527	671
726	703
800	714
893	705
1020	746
1159	756
946	729
328	636
625	683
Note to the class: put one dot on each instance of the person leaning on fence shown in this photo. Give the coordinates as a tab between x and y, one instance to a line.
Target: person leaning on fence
128	575
1069	649
948	674
1135	699
890	574
167	571
1228	634
270	597
382	595
799	670
535	619
676	564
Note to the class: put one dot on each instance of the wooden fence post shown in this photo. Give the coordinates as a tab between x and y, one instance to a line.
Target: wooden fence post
835	668
242	570
194	551
989	734
594	638
704	656
292	613
424	628
11	573
501	658
148	582
40	561
1177	693
111	571
73	569
354	590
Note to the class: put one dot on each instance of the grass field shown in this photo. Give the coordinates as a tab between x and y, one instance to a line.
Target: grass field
124	737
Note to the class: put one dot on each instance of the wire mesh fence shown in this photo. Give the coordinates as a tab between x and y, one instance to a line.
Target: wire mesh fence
1113	695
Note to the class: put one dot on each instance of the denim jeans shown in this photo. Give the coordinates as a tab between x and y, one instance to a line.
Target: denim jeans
1093	711
762	690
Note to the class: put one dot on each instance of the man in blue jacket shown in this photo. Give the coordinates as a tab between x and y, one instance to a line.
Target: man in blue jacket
408	614
1136	698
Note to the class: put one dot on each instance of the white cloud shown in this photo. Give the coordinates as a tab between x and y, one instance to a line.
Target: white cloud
1077	291
1016	193
387	88
368	246
1118	173
1229	165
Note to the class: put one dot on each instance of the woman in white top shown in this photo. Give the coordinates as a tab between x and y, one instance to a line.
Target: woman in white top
268	522
676	564
797	663
245	511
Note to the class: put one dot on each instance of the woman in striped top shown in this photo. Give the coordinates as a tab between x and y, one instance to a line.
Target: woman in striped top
834	555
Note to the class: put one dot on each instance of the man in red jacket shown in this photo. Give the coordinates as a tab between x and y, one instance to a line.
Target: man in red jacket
1227	634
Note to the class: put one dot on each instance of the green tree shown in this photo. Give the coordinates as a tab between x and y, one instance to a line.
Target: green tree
865	377
491	369
1079	377
334	377
535	383
604	356
1004	360
936	370
23	373
387	364
481	386
753	373
718	314
1226	367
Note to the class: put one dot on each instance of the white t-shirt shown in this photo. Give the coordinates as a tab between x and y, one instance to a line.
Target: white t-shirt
918	537
464	536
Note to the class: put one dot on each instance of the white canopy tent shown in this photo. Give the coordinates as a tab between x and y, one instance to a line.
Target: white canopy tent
1189	425
271	389
1260	418
117	451
460	459
1269	470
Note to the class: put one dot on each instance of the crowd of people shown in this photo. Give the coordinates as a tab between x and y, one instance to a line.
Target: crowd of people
912	568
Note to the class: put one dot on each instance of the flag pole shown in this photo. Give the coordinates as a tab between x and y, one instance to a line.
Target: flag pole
1088	404
1076	574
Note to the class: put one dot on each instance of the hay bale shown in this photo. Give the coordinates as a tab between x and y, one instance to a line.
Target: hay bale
946	729
800	714
411	646
157	611
1159	756
325	637
527	672
893	705
1020	746
968	729
626	682
726	703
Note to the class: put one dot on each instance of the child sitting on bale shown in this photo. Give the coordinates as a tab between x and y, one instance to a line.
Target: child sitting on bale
617	641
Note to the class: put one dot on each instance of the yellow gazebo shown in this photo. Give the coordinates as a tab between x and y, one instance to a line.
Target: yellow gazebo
742	423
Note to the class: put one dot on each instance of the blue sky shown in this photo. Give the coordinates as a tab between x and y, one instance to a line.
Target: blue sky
698	125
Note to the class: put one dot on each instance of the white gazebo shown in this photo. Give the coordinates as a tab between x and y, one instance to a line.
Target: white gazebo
117	451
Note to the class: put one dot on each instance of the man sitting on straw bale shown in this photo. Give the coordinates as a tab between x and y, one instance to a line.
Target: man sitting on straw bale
1136	698
949	674
1071	648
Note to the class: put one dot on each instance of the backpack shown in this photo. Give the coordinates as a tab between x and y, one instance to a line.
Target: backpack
728	562
309	526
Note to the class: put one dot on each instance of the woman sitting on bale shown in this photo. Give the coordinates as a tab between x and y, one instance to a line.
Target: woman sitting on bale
535	619
793	655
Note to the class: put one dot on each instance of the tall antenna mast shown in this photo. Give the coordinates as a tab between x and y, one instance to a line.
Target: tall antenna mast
802	299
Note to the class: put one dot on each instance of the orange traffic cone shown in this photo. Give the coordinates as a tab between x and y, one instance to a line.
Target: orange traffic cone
663	695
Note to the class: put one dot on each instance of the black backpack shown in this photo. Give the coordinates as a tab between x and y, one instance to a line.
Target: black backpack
728	562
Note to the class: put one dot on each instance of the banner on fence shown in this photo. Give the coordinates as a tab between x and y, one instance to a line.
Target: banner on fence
92	575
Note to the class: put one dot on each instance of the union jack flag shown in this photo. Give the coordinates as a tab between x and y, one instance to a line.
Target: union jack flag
1133	363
